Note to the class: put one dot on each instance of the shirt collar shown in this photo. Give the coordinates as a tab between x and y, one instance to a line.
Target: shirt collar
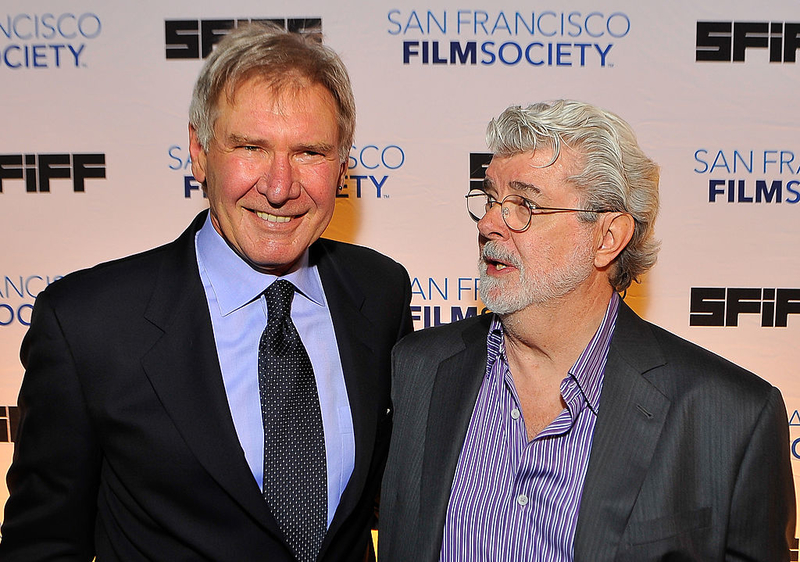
235	283
587	370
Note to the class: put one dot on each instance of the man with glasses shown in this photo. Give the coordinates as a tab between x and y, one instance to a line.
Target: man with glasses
563	426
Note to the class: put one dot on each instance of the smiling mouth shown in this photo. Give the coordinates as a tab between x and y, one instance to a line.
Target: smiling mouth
272	218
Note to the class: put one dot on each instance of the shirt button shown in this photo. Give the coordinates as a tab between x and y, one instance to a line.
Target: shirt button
522	499
515	414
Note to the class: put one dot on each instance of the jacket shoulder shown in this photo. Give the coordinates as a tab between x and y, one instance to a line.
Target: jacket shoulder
688	367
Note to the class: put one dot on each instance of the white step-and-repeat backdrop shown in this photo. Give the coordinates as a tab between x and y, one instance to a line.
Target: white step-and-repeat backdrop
94	162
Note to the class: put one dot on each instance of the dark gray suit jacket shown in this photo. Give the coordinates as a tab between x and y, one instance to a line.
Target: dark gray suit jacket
689	461
126	447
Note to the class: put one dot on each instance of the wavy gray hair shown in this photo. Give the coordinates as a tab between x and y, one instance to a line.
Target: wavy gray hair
282	59
616	172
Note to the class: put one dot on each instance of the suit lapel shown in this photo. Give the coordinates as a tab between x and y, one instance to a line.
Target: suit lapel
184	371
630	420
359	364
455	391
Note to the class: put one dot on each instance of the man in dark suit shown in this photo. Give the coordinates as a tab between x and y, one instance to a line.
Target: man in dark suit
150	427
563	426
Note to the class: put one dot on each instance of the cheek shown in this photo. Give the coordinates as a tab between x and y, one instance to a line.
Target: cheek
321	187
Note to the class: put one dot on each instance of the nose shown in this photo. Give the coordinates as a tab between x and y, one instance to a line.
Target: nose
492	225
278	183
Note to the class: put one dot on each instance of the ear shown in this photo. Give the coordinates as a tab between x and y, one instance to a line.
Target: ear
342	172
198	156
616	231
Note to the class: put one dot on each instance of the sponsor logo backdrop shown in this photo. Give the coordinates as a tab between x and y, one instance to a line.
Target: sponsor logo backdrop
94	159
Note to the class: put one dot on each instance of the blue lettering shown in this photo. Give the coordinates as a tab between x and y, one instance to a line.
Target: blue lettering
697	158
790	187
468	54
456	313
442	27
468	285
413	23
77	53
528	54
484	17
767	195
485	49
514	47
562	56
626	22
377	185
177	159
189	185
539	25
586	24
747	164
397	23
603	53
714	189
788	163
720	162
408	52
501	23
518	19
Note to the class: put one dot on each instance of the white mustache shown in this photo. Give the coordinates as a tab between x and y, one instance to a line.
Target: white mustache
493	251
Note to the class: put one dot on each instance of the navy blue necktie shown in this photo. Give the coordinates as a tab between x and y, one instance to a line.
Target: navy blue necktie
295	474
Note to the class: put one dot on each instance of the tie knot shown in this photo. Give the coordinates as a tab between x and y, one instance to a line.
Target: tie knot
279	299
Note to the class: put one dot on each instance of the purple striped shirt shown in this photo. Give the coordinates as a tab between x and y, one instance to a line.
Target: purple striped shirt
514	499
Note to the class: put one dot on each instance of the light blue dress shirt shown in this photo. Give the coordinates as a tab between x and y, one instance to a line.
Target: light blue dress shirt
238	310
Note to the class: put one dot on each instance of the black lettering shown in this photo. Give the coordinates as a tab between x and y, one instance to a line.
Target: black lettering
52	166
182	39
787	301
478	162
713	41
87	166
211	32
10	168
749	34
707	306
741	301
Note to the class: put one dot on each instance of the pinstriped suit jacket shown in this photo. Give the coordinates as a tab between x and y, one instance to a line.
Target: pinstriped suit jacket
690	457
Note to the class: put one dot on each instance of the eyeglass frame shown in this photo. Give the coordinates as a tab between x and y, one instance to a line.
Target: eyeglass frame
530	205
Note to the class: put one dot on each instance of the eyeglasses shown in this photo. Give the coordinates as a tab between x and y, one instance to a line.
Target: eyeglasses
515	209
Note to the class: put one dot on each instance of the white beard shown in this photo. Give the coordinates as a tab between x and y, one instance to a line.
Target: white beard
509	294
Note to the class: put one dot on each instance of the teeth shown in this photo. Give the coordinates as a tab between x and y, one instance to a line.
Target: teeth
500	266
272	218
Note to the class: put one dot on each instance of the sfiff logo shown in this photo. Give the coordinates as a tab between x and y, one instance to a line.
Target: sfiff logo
721	306
729	41
478	162
195	39
37	170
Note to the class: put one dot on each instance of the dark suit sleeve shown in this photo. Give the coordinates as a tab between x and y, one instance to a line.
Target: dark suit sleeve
762	519
53	480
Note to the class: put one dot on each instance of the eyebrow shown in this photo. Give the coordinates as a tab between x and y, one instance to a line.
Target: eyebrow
515	185
322	147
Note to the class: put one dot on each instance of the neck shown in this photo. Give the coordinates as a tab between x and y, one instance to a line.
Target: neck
546	339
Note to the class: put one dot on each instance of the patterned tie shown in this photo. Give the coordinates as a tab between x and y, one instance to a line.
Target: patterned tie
295	475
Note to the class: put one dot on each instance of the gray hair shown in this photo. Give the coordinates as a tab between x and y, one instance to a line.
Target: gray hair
282	59
616	172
